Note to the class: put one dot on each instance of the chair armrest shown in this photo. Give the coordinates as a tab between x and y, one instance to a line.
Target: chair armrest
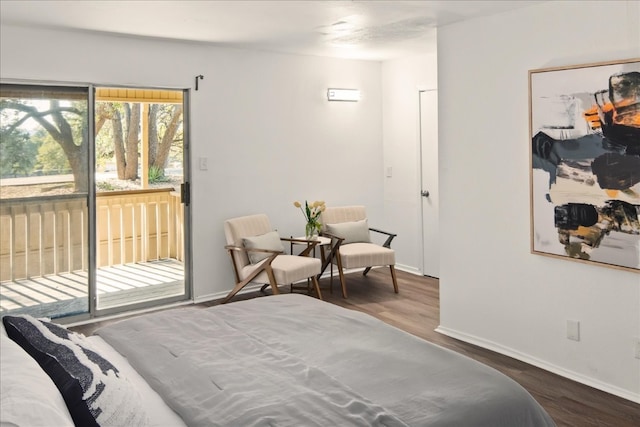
332	236
265	264
243	249
387	243
310	244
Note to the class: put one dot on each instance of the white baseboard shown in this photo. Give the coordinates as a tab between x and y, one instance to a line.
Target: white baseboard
409	269
252	288
575	376
249	288
220	295
122	314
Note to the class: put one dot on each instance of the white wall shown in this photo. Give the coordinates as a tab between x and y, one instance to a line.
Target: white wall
261	119
401	81
493	291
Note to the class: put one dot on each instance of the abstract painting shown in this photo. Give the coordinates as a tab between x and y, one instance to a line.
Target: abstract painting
585	162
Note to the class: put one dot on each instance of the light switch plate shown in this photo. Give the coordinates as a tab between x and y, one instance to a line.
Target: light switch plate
203	163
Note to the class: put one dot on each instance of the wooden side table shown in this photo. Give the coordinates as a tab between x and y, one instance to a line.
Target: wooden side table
322	243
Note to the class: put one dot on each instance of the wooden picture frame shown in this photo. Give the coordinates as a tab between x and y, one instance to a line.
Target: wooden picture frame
584	131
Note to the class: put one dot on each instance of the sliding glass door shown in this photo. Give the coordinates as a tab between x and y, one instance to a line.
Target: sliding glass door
45	188
140	214
93	218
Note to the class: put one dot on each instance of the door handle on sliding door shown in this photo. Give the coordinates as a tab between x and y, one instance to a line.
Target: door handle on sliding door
185	193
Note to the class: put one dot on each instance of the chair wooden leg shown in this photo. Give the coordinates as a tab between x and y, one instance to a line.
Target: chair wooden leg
316	285
393	277
341	274
234	291
246	281
272	280
331	281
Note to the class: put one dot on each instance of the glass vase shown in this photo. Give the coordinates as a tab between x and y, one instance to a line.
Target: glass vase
311	231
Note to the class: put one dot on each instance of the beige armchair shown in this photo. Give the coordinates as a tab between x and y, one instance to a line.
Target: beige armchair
258	256
352	247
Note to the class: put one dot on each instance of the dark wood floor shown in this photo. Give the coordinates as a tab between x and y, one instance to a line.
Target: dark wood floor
416	310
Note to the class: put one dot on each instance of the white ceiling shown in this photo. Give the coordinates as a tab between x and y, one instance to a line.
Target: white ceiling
356	29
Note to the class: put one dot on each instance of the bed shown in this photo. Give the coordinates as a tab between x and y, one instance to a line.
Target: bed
282	360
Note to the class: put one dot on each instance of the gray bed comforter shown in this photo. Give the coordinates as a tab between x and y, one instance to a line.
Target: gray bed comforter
291	360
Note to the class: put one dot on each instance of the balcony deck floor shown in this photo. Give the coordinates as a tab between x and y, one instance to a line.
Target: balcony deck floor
66	293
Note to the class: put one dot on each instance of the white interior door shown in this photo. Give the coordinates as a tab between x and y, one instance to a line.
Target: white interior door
429	191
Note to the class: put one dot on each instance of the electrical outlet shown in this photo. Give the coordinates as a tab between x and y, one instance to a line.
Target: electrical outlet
573	330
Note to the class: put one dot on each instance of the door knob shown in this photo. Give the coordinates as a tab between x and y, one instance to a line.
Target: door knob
425	193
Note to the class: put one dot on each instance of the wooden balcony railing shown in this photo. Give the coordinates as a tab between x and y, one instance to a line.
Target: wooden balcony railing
48	235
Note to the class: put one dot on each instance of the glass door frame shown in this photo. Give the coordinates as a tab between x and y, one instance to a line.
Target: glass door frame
91	200
86	90
185	198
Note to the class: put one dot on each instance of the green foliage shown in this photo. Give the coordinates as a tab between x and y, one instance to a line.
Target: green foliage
156	174
169	128
51	158
104	139
104	144
47	121
78	122
104	186
17	152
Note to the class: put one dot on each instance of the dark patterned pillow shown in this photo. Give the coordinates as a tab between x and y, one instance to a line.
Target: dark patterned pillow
92	388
